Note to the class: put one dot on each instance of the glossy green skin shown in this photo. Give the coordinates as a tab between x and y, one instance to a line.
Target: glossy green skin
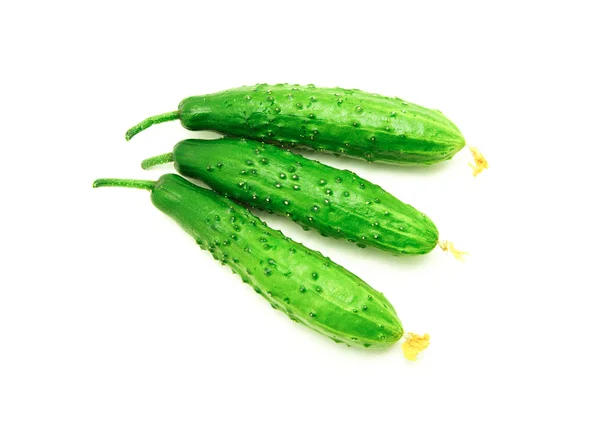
336	203
308	287
343	122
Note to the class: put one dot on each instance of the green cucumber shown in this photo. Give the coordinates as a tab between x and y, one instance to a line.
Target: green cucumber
308	287
336	203
343	122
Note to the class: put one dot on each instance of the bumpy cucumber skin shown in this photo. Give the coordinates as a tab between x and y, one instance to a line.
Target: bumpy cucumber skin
308	287
343	122
336	203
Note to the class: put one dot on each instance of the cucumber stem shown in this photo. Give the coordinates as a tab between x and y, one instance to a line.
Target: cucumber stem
146	123
116	182
157	160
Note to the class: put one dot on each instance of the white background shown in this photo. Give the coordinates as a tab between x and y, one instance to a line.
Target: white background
109	313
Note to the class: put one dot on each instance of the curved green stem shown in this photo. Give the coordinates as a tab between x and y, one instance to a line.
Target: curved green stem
116	182
157	160
146	123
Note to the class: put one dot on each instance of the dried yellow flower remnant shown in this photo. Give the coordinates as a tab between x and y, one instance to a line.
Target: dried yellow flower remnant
480	162
448	246
414	344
